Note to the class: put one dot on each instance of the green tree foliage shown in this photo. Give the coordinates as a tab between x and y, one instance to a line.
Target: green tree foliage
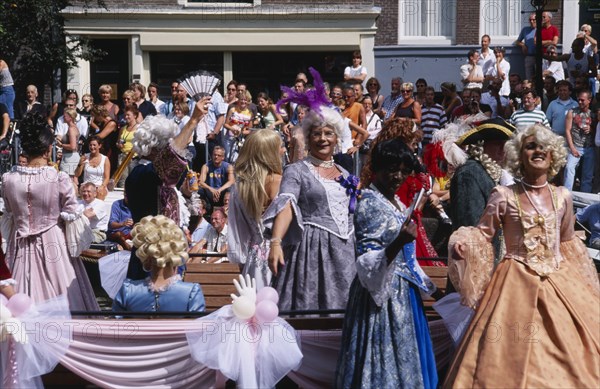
34	43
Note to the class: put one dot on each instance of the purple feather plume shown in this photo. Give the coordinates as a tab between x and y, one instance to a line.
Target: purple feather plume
314	99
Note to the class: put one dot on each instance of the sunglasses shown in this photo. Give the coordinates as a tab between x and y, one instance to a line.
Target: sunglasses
406	90
85	100
532	20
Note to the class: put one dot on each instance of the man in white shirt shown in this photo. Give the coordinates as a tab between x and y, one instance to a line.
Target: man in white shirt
493	98
203	225
95	211
471	73
554	68
486	56
215	240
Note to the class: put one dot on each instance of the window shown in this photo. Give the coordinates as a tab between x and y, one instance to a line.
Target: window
502	20
430	20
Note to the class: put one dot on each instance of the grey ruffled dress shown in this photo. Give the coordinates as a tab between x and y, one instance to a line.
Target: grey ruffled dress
319	245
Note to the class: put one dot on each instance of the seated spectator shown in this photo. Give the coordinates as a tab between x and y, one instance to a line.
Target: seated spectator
95	167
30	104
472	104
590	215
215	240
120	224
492	97
215	178
451	99
202	227
553	68
94	210
163	290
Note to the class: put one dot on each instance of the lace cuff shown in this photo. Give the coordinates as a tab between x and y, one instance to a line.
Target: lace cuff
375	275
471	275
7	225
8	281
71	216
294	233
79	235
575	251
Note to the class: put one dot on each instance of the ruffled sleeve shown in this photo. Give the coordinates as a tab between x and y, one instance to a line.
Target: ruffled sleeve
471	275
196	303
289	192
242	230
7	226
78	232
572	248
169	167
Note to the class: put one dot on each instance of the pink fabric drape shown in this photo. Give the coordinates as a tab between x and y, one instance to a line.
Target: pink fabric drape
155	353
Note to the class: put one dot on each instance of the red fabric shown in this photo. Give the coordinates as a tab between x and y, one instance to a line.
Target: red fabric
4	272
411	186
433	158
548	33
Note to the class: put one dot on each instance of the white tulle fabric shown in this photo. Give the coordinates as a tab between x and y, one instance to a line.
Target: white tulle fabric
455	315
253	355
113	271
78	232
45	326
471	275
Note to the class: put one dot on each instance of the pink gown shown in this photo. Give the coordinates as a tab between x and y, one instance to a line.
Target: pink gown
37	203
537	318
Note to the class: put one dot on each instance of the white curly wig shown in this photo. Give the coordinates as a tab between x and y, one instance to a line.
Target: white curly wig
327	117
153	132
159	242
543	136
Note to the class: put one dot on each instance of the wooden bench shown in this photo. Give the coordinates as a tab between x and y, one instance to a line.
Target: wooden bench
438	275
216	280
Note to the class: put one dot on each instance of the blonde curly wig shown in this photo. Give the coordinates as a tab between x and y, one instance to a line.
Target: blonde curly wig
159	242
543	136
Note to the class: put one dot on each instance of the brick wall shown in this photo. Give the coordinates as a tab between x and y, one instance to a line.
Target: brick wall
120	4
387	23
467	22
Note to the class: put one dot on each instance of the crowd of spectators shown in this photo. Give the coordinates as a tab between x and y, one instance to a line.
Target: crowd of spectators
94	137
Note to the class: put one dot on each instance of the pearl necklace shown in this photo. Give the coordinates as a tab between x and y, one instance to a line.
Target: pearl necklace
545	184
321	163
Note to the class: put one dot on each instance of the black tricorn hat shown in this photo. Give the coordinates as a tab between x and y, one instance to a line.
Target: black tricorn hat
492	129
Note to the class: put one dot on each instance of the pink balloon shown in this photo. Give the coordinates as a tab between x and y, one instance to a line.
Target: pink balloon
266	311
3	300
267	294
18	304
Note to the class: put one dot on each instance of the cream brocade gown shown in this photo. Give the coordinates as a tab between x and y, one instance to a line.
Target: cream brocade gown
537	321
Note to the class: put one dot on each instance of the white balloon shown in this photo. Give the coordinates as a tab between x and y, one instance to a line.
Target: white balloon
243	308
5	313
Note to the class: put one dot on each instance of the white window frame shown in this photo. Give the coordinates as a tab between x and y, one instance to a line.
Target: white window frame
429	11
507	12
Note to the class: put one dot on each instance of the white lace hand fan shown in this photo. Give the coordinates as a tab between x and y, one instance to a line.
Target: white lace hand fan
200	83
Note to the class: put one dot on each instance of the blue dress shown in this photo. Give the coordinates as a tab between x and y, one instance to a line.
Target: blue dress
385	339
141	296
